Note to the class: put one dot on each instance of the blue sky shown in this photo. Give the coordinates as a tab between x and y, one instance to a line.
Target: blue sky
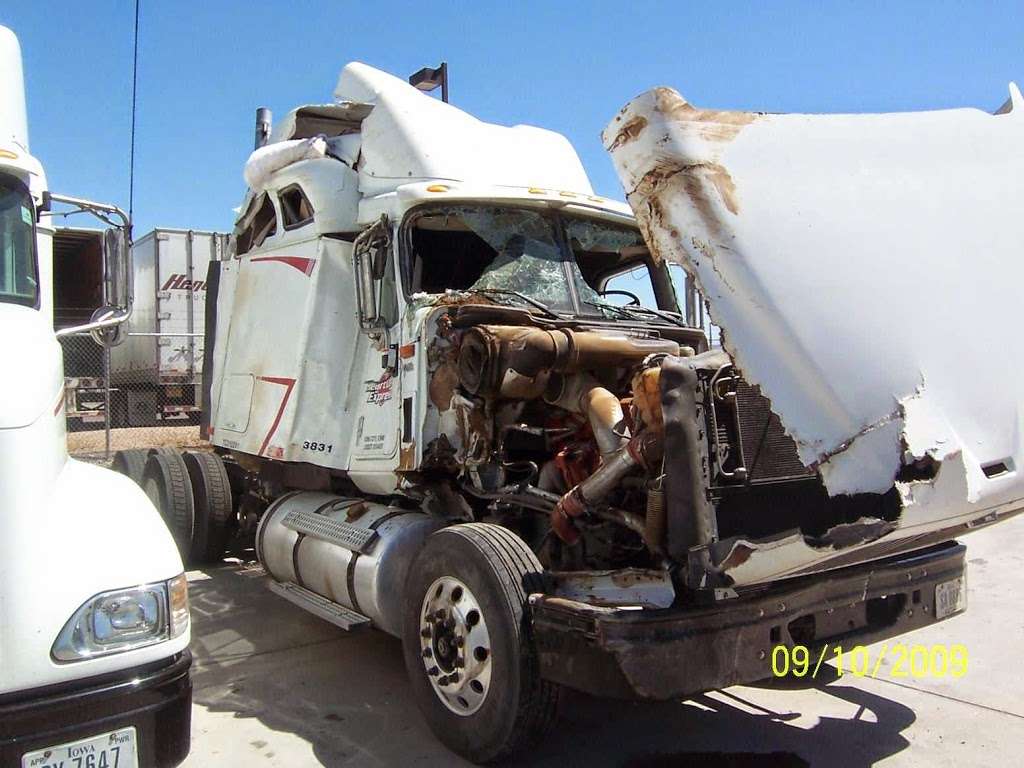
205	67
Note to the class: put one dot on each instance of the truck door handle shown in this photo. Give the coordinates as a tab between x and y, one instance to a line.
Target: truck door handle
389	360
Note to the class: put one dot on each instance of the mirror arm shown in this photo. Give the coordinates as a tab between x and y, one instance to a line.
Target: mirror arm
110	320
99	209
106	212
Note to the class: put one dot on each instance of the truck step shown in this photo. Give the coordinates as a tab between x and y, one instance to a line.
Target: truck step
335	531
338	615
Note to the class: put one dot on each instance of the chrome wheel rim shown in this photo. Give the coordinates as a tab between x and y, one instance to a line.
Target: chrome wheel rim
455	646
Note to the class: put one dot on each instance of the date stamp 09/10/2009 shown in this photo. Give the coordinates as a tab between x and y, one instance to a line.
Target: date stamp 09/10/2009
916	661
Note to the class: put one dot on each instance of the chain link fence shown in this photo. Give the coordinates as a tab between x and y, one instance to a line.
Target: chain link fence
144	393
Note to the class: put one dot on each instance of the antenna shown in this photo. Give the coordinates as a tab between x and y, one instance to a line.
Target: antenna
131	152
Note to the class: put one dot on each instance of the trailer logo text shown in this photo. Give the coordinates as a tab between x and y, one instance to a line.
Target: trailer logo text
178	282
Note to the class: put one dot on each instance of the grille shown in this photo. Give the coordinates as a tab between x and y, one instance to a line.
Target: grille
769	453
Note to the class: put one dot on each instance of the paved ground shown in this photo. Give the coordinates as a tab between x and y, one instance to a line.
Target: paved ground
276	687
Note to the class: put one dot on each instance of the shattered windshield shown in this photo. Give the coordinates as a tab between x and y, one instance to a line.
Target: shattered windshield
517	254
527	256
602	248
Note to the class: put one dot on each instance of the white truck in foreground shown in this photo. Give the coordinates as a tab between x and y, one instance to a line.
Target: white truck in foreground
441	414
155	373
94	620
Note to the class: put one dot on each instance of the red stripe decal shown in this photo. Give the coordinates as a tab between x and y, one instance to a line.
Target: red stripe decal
60	402
288	384
304	265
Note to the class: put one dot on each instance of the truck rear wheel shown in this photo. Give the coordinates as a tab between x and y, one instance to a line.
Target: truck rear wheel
166	482
131	463
467	642
211	494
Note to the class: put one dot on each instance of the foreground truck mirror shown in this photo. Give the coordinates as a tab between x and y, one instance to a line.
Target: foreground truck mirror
117	268
106	324
370	257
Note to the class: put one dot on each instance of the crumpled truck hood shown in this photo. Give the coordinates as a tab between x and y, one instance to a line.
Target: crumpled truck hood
866	272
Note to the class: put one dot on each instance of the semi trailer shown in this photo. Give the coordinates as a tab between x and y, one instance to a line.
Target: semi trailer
94	619
155	373
438	410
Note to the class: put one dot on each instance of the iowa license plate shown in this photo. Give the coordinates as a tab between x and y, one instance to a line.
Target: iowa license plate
116	749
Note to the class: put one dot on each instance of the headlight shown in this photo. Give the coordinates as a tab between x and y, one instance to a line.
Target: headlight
124	619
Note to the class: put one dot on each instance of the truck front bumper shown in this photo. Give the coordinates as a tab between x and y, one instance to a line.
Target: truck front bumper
156	699
678	652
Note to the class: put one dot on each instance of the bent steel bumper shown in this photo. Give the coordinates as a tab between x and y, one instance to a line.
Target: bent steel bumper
678	652
156	699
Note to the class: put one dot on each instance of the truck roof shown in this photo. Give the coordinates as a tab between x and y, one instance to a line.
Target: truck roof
13	120
396	138
14	154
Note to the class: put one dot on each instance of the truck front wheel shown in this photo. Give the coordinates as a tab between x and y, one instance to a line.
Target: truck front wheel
467	642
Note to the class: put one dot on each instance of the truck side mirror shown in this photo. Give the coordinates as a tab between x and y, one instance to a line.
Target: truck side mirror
45	205
118	286
117	268
370	258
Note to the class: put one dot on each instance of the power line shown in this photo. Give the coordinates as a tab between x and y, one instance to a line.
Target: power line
131	152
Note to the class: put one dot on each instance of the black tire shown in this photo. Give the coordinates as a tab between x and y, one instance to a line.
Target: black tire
131	463
500	571
165	480
214	506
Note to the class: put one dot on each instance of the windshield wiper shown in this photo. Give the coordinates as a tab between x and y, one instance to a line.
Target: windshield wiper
522	296
631	310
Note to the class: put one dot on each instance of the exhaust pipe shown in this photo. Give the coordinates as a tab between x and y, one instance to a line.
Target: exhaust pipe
644	450
581	393
263	125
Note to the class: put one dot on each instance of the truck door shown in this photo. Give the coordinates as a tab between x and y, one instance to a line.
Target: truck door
376	396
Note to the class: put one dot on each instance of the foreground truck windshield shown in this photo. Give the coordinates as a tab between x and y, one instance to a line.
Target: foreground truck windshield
18	275
558	260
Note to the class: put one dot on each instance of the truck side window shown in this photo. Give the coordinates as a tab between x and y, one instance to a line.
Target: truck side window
296	210
635	281
262	225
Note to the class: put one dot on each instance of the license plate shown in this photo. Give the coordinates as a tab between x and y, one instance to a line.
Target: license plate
116	749
950	597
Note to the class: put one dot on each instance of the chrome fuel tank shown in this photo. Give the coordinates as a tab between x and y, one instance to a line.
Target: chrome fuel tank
350	551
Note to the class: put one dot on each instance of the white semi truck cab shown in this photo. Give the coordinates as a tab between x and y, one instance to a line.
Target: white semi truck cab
94	620
459	397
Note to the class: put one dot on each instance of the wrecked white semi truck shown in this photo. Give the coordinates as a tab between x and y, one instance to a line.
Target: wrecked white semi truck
440	416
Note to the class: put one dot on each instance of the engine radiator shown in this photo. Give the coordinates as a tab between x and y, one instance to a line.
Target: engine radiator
769	453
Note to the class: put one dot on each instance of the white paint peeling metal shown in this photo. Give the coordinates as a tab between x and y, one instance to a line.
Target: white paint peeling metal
866	270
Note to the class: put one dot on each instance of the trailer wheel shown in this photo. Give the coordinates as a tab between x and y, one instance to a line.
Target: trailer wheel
214	508
467	642
165	481
131	463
